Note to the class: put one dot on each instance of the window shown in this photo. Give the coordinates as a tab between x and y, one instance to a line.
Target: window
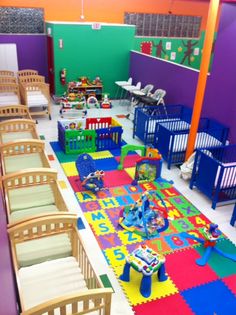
21	20
164	25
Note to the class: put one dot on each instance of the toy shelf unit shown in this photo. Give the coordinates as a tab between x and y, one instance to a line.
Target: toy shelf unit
99	134
87	90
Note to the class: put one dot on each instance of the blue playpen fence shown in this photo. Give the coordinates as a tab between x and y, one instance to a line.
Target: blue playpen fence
214	173
171	138
147	118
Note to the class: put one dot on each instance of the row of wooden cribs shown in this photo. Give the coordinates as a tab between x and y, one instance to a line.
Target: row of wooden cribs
53	272
28	88
168	132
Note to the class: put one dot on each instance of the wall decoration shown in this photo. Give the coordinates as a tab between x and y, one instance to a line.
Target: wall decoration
21	20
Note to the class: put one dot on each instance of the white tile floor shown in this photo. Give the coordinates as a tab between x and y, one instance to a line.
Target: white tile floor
221	215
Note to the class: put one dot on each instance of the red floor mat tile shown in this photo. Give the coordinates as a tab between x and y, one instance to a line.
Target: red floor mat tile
130	160
116	178
231	283
186	273
75	183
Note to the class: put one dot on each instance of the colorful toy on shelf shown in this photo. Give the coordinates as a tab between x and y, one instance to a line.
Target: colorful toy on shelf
144	217
146	261
105	103
91	178
97	81
211	234
92	101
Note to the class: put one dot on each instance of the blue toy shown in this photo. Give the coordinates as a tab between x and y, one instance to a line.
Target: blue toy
209	242
91	178
143	218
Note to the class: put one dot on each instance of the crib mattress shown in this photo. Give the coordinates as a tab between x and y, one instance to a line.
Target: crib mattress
180	124
12	136
49	280
8	99
36	98
31	212
44	249
30	197
19	162
202	140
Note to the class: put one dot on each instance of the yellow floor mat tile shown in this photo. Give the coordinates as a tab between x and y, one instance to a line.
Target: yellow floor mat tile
101	155
130	171
70	169
62	184
131	289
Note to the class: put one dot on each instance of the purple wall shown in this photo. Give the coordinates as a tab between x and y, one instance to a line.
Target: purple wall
31	51
220	96
180	83
7	287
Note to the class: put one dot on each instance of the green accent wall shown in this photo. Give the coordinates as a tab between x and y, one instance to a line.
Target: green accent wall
91	53
158	47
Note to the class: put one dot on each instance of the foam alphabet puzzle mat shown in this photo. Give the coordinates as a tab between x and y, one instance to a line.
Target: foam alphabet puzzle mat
190	288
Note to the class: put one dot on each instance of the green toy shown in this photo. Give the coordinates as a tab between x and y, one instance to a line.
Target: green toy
129	148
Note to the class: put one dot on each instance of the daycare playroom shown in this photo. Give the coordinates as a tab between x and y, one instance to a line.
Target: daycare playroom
118	157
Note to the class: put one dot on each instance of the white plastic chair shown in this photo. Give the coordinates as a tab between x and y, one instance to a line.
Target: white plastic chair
120	84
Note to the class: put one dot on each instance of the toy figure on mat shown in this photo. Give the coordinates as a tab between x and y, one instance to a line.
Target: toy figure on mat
211	235
91	178
143	218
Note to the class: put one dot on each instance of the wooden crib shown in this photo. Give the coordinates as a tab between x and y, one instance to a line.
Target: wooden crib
31	78
17	129
26	72
57	279
14	111
32	192
7	73
9	94
8	79
22	154
36	96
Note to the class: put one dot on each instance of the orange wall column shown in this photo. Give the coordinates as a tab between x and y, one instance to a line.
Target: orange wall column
202	78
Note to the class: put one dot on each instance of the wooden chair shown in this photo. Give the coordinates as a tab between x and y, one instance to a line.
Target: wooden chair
51	285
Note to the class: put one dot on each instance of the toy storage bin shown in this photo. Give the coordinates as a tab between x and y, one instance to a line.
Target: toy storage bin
108	130
76	141
146	119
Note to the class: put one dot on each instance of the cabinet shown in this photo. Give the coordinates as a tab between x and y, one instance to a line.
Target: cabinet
87	90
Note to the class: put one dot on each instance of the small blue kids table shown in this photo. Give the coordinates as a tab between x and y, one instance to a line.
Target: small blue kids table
144	259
